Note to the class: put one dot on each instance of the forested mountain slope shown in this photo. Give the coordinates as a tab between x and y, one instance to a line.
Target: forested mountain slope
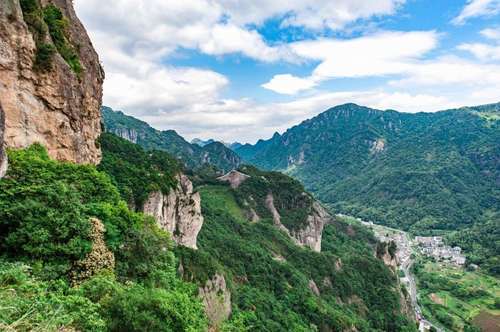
192	155
425	172
265	277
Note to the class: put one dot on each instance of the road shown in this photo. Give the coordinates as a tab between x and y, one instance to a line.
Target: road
404	253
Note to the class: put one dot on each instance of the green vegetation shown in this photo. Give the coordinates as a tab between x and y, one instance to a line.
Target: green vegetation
49	21
290	199
268	275
136	172
429	173
58	25
454	297
481	243
45	211
192	156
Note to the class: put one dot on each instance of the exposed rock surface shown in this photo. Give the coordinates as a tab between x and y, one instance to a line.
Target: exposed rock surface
129	134
99	258
385	256
234	177
58	108
308	236
313	287
217	300
178	212
3	156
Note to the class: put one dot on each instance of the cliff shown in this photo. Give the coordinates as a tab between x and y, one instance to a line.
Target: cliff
310	234
178	212
3	156
216	301
50	80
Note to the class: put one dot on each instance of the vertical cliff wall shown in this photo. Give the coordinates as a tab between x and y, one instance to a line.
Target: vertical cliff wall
48	98
3	157
178	212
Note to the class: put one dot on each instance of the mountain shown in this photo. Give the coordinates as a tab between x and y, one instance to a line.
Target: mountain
192	155
201	142
424	172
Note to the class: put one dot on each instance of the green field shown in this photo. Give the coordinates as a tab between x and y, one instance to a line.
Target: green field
454	297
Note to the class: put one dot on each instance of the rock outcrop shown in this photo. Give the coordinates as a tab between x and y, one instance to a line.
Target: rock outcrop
216	299
234	178
57	107
310	236
178	212
311	233
3	156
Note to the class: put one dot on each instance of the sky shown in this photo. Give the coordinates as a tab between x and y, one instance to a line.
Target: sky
236	70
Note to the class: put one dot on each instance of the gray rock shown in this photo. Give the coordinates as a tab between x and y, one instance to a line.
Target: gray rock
216	299
178	212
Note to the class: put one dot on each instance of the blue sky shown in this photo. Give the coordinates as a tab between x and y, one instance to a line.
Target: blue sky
240	70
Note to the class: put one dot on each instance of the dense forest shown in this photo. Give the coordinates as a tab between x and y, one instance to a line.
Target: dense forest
74	255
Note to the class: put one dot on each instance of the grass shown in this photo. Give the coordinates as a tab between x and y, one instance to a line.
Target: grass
464	294
222	198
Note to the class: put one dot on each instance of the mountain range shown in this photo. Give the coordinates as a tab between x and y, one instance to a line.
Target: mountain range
193	155
430	173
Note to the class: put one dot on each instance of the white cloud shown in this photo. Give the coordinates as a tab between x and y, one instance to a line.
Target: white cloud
384	53
450	72
289	84
491	33
482	51
477	8
311	14
136	38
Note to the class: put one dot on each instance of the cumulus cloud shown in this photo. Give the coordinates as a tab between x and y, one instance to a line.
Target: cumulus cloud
311	14
380	54
476	8
289	84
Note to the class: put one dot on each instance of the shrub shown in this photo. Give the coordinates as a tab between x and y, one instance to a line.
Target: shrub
32	305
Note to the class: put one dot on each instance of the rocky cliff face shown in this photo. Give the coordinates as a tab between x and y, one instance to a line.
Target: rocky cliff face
3	157
178	212
216	300
310	235
57	107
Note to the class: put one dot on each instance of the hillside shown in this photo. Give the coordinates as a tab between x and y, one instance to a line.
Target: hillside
192	155
422	172
262	269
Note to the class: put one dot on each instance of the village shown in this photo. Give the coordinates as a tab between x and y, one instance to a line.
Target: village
433	246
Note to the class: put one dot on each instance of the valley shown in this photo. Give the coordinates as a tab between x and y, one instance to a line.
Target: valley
356	219
444	295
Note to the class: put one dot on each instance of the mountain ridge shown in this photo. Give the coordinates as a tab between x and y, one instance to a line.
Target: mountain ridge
434	173
192	155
